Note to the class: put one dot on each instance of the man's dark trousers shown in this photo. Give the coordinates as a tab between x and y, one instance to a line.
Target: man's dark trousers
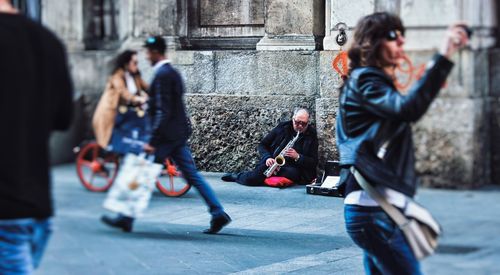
256	177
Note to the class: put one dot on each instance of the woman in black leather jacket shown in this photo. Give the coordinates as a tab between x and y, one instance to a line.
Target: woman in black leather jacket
372	113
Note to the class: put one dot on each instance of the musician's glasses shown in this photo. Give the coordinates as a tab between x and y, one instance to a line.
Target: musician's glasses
300	123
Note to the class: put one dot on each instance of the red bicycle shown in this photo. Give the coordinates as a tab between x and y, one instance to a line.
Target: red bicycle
97	170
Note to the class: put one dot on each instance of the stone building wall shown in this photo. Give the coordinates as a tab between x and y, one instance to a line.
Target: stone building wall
236	97
454	139
247	71
494	109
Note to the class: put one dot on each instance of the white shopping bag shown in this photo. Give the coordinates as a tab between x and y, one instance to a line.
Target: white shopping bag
133	186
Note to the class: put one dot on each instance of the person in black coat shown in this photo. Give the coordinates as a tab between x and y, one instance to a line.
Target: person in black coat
171	129
301	159
35	99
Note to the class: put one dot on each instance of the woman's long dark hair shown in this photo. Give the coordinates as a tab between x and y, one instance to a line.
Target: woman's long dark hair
369	33
122	60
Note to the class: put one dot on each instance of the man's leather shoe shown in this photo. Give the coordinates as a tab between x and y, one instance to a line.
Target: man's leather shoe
229	177
123	222
217	223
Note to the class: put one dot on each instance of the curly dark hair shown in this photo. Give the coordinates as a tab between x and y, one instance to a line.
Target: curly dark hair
369	33
121	61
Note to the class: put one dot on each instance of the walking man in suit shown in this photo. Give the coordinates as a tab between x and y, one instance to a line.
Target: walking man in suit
171	129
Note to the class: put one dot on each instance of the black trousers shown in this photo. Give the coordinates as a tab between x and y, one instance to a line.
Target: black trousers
256	176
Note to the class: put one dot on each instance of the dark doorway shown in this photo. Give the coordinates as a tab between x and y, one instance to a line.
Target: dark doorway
100	22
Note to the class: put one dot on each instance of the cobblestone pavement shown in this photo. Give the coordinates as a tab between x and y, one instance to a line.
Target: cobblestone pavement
274	231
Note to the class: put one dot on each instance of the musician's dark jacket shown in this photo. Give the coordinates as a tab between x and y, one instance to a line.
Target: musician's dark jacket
372	112
307	146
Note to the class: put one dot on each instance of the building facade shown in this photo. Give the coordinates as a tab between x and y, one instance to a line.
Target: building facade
248	63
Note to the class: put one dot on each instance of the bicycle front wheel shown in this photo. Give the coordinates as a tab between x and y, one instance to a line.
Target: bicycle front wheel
96	168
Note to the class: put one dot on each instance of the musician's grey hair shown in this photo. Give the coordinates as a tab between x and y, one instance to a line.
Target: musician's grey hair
301	109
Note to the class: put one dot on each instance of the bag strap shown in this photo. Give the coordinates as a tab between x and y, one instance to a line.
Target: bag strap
392	211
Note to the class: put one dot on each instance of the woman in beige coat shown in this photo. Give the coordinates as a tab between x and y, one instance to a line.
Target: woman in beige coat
125	88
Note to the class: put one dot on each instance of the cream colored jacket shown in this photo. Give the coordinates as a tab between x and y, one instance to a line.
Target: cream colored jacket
114	95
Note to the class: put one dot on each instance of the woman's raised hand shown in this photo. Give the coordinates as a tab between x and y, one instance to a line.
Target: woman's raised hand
456	38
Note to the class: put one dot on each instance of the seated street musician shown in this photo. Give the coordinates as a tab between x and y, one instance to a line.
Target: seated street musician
289	155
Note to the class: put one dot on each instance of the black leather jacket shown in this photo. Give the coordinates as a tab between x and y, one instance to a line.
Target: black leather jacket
372	112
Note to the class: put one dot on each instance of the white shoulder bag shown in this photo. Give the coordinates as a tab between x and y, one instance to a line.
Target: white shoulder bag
420	229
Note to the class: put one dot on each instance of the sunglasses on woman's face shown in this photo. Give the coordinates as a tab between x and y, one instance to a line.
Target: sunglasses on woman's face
393	35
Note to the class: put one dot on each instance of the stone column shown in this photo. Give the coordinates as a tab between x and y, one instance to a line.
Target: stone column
343	11
167	18
495	114
453	139
292	25
157	17
336	11
66	19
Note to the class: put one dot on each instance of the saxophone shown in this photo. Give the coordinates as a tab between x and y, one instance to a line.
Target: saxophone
279	160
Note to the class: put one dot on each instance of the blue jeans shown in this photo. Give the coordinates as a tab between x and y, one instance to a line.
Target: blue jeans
181	154
22	242
384	245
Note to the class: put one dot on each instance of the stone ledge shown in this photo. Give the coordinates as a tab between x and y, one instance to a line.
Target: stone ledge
287	43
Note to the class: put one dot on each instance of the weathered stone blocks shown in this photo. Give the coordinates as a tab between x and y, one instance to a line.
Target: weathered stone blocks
326	115
451	144
227	129
266	73
197	68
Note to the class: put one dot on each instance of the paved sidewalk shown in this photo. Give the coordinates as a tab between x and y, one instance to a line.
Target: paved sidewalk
274	231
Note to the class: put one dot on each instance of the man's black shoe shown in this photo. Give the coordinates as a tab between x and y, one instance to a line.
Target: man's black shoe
229	177
123	222
217	223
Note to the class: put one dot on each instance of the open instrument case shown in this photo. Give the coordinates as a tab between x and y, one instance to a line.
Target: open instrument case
329	183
